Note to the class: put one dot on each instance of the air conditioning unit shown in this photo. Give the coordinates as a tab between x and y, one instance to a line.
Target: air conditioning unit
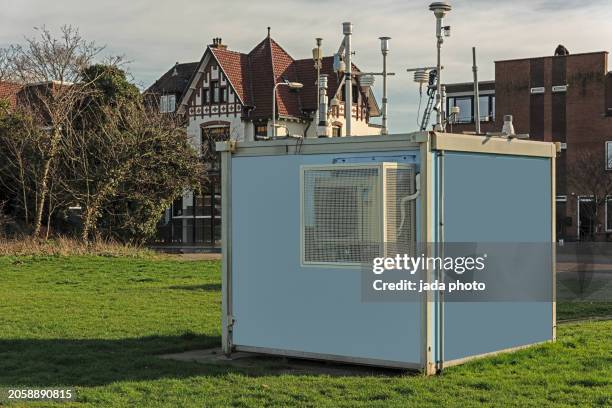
352	213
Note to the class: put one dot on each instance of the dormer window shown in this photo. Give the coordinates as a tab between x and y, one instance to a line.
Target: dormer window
355	93
167	103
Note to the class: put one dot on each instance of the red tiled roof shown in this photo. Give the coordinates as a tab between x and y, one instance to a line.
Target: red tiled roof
308	76
236	67
254	75
9	91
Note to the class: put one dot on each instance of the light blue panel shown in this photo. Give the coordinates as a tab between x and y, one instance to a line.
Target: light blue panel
496	198
279	304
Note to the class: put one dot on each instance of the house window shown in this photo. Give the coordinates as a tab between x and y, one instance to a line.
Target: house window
210	136
223	94
204	96
484	107
608	155
465	108
214	92
177	207
336	130
563	222
609	213
355	91
167	103
261	130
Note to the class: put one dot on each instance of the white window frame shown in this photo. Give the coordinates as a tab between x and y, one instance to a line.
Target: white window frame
608	198
581	199
167	103
608	157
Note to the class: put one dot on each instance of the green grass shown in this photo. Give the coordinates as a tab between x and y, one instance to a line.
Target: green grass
97	324
582	310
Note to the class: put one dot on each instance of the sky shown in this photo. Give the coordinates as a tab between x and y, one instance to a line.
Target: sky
154	34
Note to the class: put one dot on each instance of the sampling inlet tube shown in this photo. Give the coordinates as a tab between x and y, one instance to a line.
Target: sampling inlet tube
476	92
322	126
347	29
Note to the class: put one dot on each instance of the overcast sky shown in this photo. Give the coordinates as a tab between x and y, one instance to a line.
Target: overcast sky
153	34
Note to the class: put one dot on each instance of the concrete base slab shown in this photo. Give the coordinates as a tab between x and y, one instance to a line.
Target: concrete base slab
276	365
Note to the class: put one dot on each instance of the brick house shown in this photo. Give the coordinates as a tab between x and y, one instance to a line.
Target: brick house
228	94
9	92
565	98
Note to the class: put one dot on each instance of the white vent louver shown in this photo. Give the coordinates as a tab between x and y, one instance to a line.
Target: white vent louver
350	211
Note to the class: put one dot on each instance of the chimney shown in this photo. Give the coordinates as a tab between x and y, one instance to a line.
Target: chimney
217	43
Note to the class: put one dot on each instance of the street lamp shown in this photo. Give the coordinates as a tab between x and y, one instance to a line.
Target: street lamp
291	85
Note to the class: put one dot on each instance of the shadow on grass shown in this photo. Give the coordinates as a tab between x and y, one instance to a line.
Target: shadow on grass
90	362
207	287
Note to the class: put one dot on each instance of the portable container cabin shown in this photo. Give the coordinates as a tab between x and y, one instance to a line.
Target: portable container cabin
296	220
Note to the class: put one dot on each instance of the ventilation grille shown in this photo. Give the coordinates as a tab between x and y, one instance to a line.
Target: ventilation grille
343	210
400	213
342	214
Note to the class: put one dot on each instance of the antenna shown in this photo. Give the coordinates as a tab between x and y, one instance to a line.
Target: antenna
440	9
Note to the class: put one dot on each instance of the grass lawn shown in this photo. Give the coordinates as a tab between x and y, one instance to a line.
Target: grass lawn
96	323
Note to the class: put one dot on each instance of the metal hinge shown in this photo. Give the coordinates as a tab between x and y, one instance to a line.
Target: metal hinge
230	322
232	145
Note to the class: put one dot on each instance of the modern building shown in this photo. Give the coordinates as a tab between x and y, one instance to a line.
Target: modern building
565	98
229	95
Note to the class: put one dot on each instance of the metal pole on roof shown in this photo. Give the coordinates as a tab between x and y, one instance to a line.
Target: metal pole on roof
384	47
274	111
347	29
440	9
318	60
476	92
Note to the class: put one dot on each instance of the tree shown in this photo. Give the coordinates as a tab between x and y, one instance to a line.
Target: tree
83	136
124	163
20	152
588	177
56	65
